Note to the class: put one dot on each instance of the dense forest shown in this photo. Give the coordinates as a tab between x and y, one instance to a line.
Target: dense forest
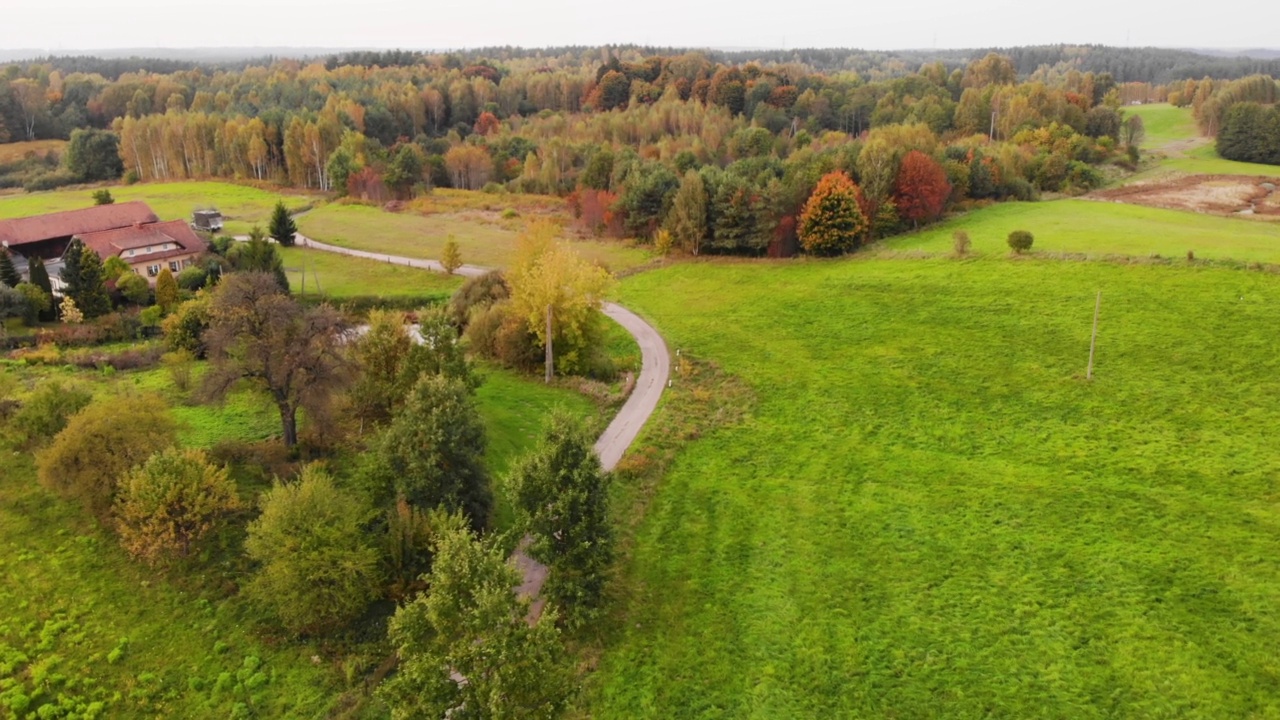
628	134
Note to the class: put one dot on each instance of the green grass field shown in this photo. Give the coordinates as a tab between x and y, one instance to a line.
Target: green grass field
1101	228
484	237
1173	130
242	206
339	276
930	513
1164	124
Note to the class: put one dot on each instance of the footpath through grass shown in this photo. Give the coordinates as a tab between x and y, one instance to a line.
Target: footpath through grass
241	206
930	513
1172	130
1101	228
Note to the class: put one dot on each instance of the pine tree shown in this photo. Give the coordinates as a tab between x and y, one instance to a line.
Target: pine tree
8	273
94	300
71	270
166	290
283	228
40	278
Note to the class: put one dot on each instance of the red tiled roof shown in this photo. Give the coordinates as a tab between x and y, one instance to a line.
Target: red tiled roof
136	237
21	231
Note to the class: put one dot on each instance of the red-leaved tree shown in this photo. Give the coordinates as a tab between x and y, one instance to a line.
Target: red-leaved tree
922	188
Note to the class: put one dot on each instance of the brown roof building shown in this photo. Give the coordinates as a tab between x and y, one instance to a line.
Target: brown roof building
130	231
46	236
148	248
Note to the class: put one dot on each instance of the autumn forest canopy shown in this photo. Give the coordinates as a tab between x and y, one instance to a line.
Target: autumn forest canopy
722	150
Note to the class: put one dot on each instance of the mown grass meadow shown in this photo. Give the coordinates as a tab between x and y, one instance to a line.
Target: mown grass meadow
929	512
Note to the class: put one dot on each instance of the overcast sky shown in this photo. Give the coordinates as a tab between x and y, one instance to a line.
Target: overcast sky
60	25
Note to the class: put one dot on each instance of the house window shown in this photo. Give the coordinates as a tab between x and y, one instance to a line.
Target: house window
153	270
131	252
148	248
173	266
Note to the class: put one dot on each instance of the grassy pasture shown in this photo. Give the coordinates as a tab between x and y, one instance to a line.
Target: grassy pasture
1164	124
1173	130
928	512
242	206
12	152
484	235
340	276
1093	227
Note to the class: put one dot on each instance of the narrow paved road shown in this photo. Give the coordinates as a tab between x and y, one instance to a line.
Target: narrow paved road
655	369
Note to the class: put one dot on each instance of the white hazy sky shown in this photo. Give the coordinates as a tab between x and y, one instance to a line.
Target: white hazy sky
417	24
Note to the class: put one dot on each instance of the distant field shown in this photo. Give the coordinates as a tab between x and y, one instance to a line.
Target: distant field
929	513
1164	124
484	235
1173	130
1088	226
10	152
339	276
242	206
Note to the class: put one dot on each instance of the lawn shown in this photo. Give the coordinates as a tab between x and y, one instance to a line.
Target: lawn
484	236
242	206
1101	228
338	276
928	512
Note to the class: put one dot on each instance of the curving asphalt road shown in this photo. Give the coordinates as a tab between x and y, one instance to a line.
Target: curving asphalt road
655	370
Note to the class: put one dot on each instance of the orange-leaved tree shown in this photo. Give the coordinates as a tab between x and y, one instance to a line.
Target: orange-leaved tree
922	188
832	221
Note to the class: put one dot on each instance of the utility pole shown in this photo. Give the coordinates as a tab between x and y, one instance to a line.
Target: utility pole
550	364
1093	342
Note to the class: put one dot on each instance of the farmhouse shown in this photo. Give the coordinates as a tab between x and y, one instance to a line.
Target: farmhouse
130	231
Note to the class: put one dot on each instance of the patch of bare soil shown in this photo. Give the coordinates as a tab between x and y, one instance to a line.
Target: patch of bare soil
1211	194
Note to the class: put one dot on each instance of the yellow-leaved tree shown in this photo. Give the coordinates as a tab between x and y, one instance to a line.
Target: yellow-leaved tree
548	273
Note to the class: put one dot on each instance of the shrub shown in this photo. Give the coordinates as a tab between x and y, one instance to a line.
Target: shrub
510	214
960	243
663	242
481	291
103	197
45	413
69	313
451	256
134	288
133	358
184	329
171	502
317	570
180	364
193	278
101	443
1020	241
